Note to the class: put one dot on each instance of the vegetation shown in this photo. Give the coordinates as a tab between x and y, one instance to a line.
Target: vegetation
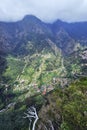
65	108
40	67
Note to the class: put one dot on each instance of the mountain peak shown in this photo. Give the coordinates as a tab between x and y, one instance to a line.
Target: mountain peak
31	17
59	22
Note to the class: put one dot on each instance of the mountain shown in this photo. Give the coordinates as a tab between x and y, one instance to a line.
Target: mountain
31	35
32	52
12	34
36	58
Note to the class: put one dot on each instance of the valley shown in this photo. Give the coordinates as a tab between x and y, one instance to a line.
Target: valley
43	67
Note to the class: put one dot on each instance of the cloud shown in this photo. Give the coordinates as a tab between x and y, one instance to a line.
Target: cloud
46	10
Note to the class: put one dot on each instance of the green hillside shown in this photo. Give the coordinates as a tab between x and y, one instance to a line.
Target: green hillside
65	108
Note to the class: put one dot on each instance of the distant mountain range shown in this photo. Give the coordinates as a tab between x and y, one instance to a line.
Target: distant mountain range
64	35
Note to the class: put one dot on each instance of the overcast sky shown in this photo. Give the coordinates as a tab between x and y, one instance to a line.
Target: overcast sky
46	10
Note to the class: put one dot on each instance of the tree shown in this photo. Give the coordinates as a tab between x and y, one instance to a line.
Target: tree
31	114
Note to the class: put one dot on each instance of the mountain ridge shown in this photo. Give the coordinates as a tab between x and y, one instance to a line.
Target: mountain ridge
14	31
